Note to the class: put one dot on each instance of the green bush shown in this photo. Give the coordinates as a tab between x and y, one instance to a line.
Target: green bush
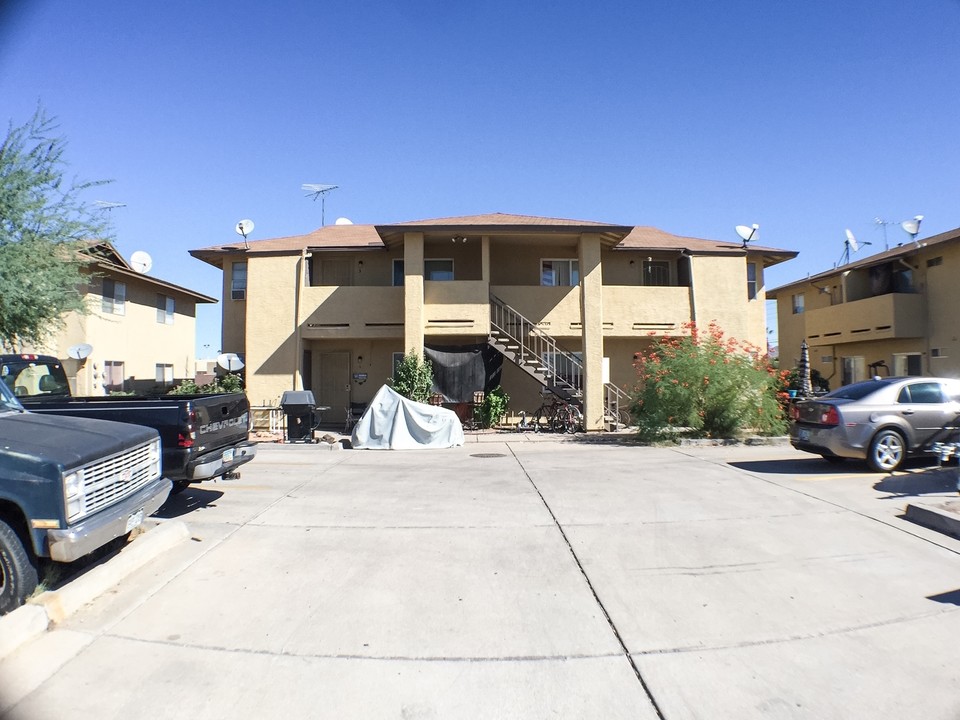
229	383
705	385
494	407
413	377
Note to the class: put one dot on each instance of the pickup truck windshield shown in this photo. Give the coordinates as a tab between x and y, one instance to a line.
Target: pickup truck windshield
28	376
8	400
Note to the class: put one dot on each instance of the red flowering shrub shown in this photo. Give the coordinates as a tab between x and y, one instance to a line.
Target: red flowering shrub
706	385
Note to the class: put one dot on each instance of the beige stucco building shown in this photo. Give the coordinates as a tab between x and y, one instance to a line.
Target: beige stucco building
892	313
141	330
332	310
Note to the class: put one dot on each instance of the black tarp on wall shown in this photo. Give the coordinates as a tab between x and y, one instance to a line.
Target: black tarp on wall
461	370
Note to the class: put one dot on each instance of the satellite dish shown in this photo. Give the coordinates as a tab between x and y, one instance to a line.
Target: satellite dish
80	352
230	362
747	232
852	241
343	221
244	227
912	227
141	261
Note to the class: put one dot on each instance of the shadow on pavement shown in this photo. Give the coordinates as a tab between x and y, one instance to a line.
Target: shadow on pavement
951	597
799	466
188	501
933	480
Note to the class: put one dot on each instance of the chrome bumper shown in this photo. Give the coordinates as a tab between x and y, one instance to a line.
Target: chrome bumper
99	529
208	468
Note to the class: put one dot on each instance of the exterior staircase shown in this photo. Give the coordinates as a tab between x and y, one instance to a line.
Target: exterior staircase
539	355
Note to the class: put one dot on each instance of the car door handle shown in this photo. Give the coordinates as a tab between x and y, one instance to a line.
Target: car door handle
907	412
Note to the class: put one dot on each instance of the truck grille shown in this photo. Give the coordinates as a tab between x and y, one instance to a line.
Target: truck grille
116	477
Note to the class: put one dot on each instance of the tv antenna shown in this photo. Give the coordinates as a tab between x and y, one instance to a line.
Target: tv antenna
880	222
244	227
319	191
107	205
747	233
850	244
141	262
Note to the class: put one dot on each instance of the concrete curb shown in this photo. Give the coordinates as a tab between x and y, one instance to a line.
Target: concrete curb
943	517
34	618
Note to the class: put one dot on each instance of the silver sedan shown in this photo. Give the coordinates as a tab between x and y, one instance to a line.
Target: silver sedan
882	421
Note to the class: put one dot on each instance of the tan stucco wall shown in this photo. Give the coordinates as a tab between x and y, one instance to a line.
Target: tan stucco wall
233	331
720	295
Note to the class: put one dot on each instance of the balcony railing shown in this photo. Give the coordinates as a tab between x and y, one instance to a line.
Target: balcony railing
884	317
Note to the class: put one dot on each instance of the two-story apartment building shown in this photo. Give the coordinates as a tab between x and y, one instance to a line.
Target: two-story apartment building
142	330
568	303
892	313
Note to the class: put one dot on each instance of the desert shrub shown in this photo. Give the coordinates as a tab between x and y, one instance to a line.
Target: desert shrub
413	377
229	383
494	407
706	385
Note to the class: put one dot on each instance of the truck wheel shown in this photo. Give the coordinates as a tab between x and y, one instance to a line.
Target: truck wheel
887	452
18	572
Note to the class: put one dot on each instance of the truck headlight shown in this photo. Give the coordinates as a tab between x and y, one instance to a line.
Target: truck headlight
154	454
74	494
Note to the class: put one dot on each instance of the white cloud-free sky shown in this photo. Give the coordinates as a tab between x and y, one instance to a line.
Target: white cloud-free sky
807	118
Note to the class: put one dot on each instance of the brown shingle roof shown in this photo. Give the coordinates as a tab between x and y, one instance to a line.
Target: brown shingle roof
497	219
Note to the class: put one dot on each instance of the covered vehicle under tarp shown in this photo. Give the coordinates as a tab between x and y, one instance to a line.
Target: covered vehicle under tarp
392	422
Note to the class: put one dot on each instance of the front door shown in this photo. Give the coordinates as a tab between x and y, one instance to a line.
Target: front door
333	387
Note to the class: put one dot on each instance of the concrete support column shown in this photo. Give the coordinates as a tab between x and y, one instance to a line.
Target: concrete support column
591	314
413	314
485	259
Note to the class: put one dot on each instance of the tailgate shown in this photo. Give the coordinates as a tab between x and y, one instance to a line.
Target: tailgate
221	420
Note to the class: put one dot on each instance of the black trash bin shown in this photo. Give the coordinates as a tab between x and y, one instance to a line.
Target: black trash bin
298	406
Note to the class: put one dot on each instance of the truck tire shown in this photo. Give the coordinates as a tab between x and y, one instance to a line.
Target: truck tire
18	571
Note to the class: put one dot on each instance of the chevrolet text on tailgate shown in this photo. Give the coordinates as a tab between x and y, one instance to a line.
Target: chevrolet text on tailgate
67	487
201	436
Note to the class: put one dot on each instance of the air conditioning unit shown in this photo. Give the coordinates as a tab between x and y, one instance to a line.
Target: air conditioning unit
238	294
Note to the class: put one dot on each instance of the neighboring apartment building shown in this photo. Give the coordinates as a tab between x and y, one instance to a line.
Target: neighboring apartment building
566	302
893	313
142	330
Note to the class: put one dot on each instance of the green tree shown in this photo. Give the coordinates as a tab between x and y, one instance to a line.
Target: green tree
707	385
43	221
413	377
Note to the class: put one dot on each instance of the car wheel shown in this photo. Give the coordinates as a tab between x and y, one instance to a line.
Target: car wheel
18	572
887	452
833	459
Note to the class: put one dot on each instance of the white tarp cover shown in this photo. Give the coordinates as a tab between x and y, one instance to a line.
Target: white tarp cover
392	422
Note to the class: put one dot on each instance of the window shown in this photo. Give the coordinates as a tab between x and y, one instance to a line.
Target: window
165	373
560	272
398	273
238	281
798	304
113	375
752	281
114	297
905	364
928	393
165	308
438	269
656	272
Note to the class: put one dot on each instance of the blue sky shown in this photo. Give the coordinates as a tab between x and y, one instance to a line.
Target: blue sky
807	118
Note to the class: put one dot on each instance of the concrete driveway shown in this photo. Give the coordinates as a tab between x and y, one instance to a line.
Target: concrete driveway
521	579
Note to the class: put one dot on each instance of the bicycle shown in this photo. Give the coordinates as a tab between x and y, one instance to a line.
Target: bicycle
557	415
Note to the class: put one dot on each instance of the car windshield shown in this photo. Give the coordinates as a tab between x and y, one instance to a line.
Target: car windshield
856	391
8	401
34	375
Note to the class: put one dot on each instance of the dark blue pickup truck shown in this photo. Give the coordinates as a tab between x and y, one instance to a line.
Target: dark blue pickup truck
67	487
202	436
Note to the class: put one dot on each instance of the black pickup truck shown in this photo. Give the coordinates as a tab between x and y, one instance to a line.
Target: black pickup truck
202	436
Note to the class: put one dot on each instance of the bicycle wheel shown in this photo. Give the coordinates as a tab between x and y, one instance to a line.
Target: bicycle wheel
573	420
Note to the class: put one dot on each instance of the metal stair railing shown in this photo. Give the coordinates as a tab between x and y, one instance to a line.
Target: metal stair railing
536	350
613	397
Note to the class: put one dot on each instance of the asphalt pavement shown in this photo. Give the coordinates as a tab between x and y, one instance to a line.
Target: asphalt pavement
521	578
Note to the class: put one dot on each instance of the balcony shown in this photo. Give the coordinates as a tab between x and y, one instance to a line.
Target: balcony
456	307
884	317
630	311
351	311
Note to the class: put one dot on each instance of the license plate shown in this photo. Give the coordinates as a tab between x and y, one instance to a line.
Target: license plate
228	456
135	520
803	434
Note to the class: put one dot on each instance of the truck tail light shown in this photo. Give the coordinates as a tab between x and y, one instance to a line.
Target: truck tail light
185	441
